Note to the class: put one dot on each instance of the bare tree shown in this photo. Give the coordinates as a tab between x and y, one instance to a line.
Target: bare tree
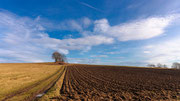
159	65
165	66
63	59
59	57
151	65
162	65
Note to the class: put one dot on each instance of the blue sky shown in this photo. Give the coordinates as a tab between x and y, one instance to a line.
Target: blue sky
112	32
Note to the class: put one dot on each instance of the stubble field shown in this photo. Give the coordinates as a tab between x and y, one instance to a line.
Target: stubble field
23	81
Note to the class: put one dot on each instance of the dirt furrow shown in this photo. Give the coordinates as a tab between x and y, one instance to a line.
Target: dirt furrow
88	82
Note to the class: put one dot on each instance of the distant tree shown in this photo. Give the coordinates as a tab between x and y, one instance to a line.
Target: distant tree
58	57
165	66
151	65
159	65
64	59
176	65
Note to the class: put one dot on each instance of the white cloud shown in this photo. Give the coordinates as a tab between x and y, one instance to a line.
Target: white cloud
135	30
23	39
147	52
64	51
84	60
101	26
149	46
113	52
71	24
17	55
99	56
86	22
164	52
88	41
82	43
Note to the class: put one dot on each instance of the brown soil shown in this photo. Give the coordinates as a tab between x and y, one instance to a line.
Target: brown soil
110	83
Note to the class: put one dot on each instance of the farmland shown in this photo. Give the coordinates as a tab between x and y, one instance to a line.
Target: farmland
23	81
83	82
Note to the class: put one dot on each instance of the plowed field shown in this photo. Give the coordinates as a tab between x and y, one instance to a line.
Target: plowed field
83	82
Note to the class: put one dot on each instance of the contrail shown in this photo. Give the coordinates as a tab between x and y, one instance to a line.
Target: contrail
87	5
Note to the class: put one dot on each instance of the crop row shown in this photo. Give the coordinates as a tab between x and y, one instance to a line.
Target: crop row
84	82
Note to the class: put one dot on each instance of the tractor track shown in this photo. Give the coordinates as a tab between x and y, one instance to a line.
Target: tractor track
33	96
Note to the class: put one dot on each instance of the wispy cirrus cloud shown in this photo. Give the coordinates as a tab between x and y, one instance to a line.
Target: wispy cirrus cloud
87	5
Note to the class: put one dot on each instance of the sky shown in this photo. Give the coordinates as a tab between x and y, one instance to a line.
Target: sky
108	32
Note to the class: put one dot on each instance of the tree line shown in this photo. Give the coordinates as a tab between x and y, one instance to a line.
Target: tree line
59	57
175	65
